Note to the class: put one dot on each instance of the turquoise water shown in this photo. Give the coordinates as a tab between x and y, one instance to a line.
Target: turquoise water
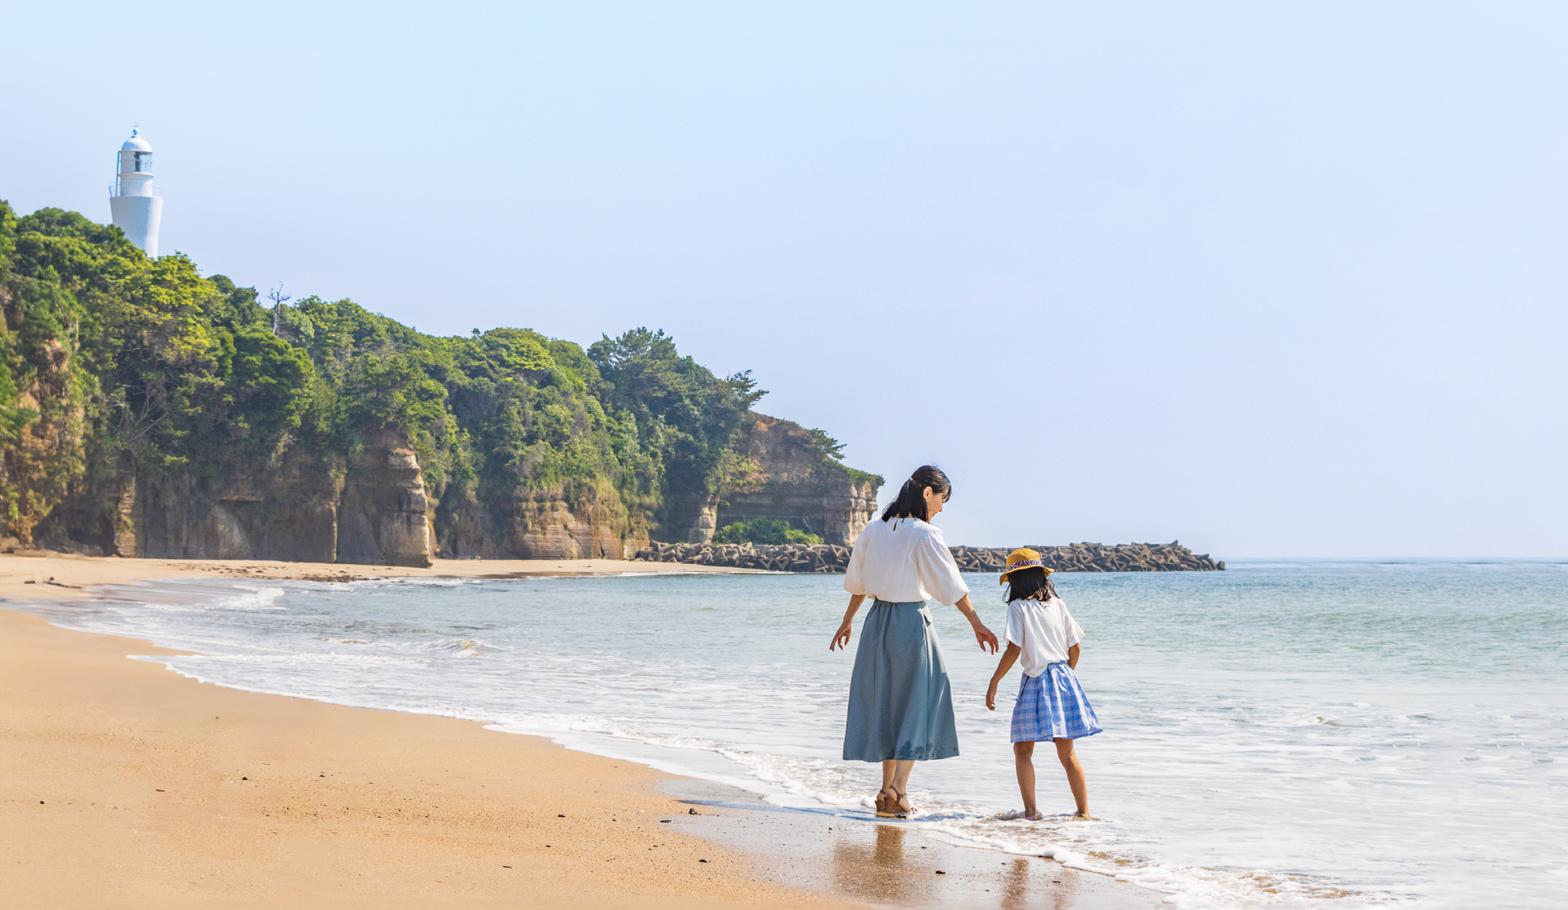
1282	733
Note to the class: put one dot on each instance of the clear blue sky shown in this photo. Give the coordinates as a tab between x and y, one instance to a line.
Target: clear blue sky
1281	279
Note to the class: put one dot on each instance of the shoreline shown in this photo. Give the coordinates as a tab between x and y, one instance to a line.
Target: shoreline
101	738
27	575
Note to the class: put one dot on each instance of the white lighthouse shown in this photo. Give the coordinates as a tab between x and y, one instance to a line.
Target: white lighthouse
133	200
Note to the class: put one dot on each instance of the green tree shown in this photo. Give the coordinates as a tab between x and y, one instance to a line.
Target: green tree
679	409
764	531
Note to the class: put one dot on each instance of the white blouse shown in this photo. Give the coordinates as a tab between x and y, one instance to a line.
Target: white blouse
902	561
1043	631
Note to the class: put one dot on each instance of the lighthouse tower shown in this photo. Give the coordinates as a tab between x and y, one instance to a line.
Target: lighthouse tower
133	200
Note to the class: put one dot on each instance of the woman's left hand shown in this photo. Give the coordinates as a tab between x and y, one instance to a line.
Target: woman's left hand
983	635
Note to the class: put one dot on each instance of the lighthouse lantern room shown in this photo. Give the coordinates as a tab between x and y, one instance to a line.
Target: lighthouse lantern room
134	202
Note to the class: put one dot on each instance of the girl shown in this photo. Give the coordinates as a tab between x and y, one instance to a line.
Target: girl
900	701
1051	705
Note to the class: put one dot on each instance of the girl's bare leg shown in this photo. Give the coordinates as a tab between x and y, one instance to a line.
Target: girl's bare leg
1069	758
1023	757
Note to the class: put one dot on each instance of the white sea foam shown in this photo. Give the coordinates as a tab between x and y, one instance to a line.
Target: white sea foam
1276	736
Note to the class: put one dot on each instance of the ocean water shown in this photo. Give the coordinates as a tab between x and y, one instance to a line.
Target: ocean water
1285	733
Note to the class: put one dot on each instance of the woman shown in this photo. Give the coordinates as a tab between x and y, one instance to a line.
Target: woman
900	703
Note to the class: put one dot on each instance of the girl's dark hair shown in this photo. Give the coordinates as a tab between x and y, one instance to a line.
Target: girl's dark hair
1030	584
911	501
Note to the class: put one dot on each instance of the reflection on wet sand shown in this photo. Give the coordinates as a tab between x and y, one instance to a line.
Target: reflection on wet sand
1015	885
878	872
1041	886
896	869
893	864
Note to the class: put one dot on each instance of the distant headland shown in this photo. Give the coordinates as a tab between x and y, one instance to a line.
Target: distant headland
148	411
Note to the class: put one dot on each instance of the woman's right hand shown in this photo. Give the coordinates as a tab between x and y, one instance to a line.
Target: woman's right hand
841	637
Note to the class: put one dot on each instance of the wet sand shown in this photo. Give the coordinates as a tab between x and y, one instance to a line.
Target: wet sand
890	863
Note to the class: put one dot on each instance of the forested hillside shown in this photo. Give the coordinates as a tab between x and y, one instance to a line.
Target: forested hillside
122	376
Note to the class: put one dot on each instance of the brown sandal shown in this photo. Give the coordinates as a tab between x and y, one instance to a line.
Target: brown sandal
902	807
886	806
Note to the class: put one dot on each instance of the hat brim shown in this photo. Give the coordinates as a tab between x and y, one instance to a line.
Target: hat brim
1027	564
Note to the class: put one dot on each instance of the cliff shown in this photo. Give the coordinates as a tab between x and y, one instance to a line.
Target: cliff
790	474
369	509
543	525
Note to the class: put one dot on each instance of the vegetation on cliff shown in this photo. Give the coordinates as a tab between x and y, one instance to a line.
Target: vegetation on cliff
113	366
764	531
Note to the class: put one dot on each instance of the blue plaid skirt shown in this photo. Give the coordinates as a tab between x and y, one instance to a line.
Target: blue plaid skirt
1052	706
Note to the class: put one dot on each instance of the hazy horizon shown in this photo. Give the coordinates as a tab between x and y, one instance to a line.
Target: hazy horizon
1268	280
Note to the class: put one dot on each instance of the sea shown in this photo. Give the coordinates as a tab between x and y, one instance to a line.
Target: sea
1285	733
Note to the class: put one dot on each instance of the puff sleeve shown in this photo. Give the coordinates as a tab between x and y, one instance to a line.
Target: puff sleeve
855	572
937	570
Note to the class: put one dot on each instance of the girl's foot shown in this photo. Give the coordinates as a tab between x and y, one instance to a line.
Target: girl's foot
1083	817
887	803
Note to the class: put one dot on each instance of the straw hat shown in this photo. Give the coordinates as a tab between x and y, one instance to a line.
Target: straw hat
1024	559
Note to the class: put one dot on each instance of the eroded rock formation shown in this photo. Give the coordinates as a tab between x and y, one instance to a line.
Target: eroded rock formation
371	509
793	480
542	525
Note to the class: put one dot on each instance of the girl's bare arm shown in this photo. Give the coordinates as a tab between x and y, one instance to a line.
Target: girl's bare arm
1072	657
841	637
1009	657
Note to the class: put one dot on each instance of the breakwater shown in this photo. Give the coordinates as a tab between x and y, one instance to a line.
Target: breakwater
824	559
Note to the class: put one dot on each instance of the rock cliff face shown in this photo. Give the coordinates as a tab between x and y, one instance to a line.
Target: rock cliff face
370	509
794	481
544	526
373	508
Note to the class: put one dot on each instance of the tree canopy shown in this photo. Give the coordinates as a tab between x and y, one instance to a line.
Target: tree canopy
109	359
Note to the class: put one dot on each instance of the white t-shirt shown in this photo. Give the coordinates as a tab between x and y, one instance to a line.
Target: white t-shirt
902	561
1043	630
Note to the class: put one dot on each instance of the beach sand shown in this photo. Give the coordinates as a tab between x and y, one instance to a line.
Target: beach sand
127	785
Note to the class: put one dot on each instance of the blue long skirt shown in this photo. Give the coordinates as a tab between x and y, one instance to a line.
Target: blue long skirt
900	701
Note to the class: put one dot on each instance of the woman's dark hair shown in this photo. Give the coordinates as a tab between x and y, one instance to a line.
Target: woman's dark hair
1030	584
911	501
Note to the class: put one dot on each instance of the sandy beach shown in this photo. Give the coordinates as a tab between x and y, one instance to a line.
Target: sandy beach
127	785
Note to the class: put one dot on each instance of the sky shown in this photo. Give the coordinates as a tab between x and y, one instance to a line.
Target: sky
1276	280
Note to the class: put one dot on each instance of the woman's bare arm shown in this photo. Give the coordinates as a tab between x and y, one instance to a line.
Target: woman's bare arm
984	636
1072	657
841	637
